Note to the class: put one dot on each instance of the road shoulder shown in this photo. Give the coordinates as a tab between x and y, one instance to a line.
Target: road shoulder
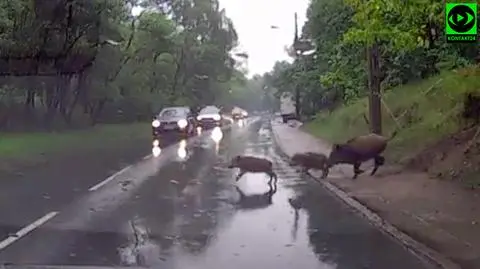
408	206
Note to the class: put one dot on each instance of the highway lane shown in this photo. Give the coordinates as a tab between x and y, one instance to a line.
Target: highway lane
183	209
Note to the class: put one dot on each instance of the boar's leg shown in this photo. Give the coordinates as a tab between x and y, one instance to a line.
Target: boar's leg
379	161
242	172
304	170
356	170
273	176
325	172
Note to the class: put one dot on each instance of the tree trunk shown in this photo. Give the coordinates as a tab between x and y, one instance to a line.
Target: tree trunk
52	104
96	111
29	106
77	92
177	72
63	94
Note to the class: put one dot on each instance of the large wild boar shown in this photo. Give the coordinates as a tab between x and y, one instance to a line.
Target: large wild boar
358	150
253	165
311	160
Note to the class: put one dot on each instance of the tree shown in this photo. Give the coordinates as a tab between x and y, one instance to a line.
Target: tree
409	45
67	59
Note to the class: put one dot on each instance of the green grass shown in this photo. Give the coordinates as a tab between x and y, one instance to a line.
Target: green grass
26	145
426	111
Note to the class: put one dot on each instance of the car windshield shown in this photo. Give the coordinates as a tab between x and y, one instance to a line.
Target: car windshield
210	110
172	112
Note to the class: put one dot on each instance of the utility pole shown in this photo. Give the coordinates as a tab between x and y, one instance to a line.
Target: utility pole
375	109
302	47
297	57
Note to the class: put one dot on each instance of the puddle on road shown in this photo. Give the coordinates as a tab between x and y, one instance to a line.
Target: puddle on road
214	225
254	226
141	250
260	234
194	216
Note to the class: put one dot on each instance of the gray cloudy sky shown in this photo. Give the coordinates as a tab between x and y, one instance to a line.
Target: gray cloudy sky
253	18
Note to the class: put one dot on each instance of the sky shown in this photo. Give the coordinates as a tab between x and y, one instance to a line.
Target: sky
252	20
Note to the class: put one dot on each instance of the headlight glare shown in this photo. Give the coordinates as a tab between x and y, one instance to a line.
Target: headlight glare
182	123
155	123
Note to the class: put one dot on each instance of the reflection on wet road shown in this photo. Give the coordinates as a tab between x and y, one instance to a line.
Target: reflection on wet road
184	210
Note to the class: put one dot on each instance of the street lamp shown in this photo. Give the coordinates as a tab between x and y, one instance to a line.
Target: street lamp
302	47
308	52
243	55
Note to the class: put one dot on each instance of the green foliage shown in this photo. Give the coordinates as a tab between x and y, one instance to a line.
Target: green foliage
426	111
410	39
25	146
94	59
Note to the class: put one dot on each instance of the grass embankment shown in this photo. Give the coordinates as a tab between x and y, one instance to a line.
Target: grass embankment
425	113
30	146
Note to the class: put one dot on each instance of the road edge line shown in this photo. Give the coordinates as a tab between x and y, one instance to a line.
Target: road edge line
114	175
108	179
27	229
420	250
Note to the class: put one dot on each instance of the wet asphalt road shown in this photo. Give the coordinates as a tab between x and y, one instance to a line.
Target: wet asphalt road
183	210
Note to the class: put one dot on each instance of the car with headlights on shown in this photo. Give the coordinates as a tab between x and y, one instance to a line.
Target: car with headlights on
174	120
209	117
238	113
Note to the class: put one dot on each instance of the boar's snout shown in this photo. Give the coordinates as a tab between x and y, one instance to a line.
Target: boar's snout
295	160
335	155
234	162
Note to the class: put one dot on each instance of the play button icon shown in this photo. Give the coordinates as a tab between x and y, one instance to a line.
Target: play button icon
461	18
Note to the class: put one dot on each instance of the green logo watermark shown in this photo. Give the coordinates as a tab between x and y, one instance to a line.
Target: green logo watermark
461	22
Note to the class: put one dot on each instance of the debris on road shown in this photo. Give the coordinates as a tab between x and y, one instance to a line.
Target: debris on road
125	183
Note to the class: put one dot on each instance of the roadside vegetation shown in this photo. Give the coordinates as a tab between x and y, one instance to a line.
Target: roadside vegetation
29	146
91	62
424	81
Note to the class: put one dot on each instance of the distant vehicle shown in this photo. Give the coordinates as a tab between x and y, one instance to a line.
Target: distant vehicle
238	113
287	107
174	119
209	117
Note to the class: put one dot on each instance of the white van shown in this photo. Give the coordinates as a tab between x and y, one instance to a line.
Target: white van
287	107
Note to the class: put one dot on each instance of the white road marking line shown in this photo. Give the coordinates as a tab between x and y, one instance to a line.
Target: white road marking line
147	157
25	230
110	178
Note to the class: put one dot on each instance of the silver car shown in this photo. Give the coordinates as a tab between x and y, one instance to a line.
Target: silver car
209	117
174	119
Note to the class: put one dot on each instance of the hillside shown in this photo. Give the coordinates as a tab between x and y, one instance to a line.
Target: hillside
432	135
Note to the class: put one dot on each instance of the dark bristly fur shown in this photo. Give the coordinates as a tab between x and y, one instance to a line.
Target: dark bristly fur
253	165
358	150
311	160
